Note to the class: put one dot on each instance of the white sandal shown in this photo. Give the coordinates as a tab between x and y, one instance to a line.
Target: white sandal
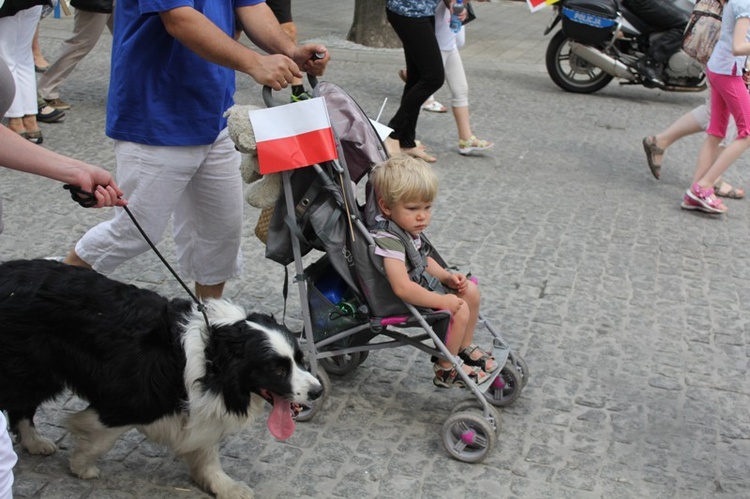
434	106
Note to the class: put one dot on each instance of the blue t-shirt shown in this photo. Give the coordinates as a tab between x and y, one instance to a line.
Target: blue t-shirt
722	60
160	92
413	8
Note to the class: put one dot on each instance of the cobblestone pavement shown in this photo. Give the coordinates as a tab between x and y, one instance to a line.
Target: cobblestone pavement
631	314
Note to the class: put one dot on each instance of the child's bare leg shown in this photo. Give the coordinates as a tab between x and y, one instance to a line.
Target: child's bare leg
455	337
472	299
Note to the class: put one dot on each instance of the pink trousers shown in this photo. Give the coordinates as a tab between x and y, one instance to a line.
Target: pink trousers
729	95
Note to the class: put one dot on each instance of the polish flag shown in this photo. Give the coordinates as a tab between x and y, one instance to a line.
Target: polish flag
535	5
293	135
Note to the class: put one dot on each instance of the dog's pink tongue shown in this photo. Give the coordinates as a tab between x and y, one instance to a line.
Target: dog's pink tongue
280	422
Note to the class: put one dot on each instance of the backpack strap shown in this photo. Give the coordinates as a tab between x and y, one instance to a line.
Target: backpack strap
416	258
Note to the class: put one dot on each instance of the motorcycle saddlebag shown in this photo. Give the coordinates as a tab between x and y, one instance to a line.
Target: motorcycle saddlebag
590	21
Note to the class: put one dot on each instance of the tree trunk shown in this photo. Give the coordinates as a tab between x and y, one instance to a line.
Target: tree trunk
370	26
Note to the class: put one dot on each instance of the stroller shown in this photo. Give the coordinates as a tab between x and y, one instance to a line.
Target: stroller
348	307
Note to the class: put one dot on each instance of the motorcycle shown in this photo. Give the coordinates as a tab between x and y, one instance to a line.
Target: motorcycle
601	40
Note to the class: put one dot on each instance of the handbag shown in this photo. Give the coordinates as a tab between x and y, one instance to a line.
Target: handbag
703	30
100	6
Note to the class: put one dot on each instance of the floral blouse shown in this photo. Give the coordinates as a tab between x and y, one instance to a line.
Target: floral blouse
413	8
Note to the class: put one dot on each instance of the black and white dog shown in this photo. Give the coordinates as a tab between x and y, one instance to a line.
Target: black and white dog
142	361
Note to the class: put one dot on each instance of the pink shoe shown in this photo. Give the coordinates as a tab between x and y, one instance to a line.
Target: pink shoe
706	199
689	204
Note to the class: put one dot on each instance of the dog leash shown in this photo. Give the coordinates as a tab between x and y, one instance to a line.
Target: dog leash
87	200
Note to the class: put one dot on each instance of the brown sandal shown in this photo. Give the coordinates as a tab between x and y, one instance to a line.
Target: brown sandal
727	190
652	150
447	377
484	361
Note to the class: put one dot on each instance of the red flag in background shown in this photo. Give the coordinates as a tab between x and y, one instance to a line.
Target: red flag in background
535	5
293	135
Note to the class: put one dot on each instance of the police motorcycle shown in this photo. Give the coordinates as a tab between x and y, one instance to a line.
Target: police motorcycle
600	40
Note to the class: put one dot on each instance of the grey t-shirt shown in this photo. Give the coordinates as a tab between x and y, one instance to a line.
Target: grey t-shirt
7	92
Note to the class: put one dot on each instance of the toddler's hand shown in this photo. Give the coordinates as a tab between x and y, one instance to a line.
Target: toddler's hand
458	283
452	303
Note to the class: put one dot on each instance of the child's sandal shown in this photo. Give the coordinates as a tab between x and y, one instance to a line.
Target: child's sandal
446	377
485	361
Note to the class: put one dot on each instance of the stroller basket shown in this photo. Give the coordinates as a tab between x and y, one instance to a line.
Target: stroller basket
333	306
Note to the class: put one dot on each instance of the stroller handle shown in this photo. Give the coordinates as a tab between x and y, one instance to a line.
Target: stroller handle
268	92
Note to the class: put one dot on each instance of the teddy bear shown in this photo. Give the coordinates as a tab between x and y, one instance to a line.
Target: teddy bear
264	190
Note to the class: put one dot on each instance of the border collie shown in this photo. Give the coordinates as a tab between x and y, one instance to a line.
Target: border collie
142	361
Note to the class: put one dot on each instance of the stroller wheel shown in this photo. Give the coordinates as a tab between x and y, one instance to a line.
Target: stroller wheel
338	365
474	405
521	367
468	437
506	388
309	412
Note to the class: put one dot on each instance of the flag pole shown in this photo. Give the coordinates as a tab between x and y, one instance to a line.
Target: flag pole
381	109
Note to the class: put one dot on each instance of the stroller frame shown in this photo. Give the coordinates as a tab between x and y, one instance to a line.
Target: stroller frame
470	432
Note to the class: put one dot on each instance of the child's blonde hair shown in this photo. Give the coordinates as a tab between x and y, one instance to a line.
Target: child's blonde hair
404	178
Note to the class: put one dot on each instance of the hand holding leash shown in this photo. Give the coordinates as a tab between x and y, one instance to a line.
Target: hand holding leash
107	196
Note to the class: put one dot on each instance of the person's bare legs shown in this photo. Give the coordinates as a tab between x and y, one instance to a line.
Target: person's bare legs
689	124
39	60
685	125
30	124
27	124
209	291
16	124
473	299
708	173
72	258
202	291
392	146
455	337
461	115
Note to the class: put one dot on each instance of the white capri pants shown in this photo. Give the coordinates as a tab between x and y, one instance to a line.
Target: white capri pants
455	78
198	187
16	34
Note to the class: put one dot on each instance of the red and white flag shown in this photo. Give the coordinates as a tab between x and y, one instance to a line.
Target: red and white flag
535	5
293	135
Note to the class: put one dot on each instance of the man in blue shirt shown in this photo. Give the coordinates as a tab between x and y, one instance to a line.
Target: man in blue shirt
172	79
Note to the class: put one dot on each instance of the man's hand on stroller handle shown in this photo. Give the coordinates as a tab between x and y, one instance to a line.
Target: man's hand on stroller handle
275	71
312	58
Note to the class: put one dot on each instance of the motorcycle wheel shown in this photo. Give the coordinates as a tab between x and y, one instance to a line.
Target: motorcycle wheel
570	72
